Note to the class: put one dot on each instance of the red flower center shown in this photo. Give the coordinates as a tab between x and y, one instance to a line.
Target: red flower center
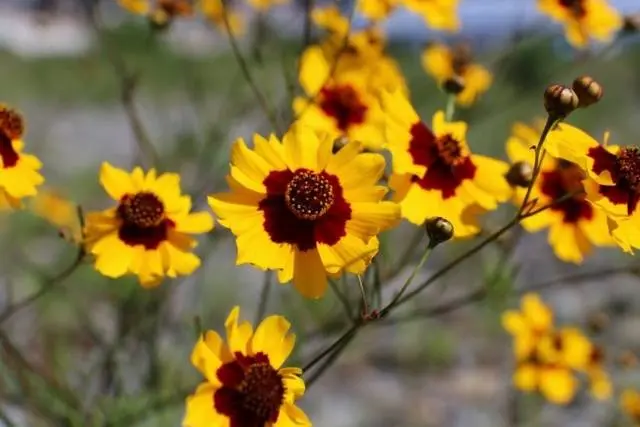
143	220
176	7
343	103
444	157
559	183
252	391
11	127
304	208
625	172
576	7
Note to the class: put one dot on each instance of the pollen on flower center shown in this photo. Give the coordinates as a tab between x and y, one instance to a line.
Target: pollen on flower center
142	210
262	391
450	150
628	166
309	195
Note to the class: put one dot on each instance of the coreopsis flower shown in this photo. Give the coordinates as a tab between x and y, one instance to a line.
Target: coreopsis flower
529	325
19	176
159	12
437	14
584	19
214	11
341	106
297	208
630	405
575	225
377	10
444	63
434	172
147	232
616	170
245	383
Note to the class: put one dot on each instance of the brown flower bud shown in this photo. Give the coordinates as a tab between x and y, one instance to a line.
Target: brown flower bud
588	90
453	85
559	101
520	174
598	321
439	230
627	359
631	23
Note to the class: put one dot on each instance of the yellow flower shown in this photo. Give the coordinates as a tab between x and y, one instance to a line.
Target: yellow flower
616	170
19	176
529	325
567	347
245	383
59	211
437	14
557	384
297	208
376	10
340	106
214	11
575	225
630	404
434	173
583	19
331	19
147	233
443	63
159	12
600	383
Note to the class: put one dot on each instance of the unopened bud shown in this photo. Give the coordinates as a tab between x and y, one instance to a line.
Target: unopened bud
631	23
453	85
560	100
598	321
588	90
439	230
520	174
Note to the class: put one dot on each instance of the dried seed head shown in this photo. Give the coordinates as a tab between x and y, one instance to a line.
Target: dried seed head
439	230
559	101
588	90
520	174
453	85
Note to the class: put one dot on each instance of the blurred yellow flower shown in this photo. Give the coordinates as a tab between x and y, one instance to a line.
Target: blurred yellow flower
575	225
299	209
616	170
245	383
19	176
528	326
147	233
583	19
444	63
214	11
340	106
434	172
630	404
159	12
376	10
59	211
437	14
331	19
600	383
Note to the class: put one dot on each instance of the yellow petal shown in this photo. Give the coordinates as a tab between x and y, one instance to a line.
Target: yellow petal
207	355
569	243
272	338
396	105
525	377
536	312
238	335
294	385
271	151
309	275
200	411
570	143
301	147
558	385
116	182
113	257
368	216
314	70
490	177
292	416
195	223
249	162
139	7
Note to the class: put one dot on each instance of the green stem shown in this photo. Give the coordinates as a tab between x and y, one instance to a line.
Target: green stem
451	107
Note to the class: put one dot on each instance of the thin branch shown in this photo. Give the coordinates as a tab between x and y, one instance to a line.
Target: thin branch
264	296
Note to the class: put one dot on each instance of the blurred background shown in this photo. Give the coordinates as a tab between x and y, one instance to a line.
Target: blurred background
99	343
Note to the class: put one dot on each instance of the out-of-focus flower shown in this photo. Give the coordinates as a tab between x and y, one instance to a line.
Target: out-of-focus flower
340	106
444	63
299	209
583	19
437	14
600	383
245	383
377	10
529	325
630	405
615	169
214	11
147	233
265	5
19	176
60	212
331	19
159	12
434	173
575	225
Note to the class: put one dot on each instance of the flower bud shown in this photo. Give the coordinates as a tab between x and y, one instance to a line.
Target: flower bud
560	100
631	23
439	230
598	321
453	85
588	90
520	174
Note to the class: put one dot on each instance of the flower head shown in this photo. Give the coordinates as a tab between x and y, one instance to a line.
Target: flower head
583	19
435	173
529	325
19	176
147	232
377	10
437	14
245	383
300	209
575	224
160	12
616	172
444	63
